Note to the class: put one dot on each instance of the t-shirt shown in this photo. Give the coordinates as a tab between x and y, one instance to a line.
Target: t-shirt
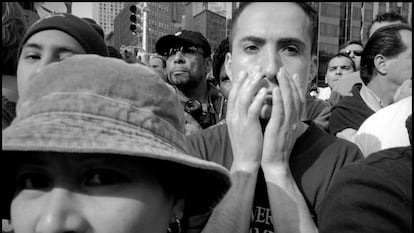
315	159
371	195
350	112
385	129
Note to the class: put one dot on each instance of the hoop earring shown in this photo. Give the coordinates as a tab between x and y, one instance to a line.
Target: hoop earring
176	226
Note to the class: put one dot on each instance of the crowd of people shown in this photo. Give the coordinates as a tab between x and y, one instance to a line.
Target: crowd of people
196	140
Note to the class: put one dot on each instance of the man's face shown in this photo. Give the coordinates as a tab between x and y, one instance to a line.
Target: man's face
400	68
41	49
157	64
355	52
272	35
186	67
337	67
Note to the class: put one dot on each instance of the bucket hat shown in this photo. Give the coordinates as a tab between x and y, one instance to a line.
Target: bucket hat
88	104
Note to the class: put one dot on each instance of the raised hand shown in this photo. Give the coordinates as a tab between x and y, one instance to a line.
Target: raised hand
285	124
245	100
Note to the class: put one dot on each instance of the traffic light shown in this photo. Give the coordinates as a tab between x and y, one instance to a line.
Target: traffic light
134	19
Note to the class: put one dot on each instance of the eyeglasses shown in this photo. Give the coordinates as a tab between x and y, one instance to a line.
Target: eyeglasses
355	52
186	51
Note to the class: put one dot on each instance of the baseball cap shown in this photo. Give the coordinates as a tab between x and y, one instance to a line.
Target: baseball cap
184	37
89	104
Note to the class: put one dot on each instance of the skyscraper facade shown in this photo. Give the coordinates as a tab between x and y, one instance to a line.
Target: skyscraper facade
105	12
209	18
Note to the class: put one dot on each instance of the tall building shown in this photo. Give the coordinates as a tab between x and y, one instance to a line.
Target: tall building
122	35
162	18
209	18
104	14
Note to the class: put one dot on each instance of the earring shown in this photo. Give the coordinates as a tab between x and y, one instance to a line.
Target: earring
176	226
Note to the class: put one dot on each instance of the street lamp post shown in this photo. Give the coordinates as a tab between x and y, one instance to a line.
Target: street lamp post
145	28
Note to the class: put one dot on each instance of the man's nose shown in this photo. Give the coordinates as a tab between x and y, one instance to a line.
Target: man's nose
179	57
60	214
271	63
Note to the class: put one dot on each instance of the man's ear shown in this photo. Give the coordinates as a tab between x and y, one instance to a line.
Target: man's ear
381	64
313	68
227	65
208	63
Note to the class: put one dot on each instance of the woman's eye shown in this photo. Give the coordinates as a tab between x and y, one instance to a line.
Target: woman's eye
65	55
33	181
102	177
32	56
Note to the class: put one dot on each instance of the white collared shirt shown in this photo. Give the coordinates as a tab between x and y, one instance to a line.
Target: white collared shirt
370	98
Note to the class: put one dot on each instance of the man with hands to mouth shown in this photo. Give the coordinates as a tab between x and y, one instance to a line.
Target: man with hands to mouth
281	166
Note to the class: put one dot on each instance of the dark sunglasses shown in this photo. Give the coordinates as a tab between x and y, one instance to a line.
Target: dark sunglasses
355	52
185	50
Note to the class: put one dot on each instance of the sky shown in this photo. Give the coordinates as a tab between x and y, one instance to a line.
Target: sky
82	9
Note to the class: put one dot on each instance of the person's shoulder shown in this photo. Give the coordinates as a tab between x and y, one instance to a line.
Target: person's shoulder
383	159
393	166
330	145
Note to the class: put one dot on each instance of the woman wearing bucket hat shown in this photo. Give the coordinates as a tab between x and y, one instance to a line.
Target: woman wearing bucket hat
94	149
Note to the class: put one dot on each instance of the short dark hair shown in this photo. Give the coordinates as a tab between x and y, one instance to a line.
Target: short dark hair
305	6
343	55
219	57
391	16
386	41
358	42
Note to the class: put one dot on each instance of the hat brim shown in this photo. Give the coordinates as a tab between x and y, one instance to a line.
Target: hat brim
169	41
48	133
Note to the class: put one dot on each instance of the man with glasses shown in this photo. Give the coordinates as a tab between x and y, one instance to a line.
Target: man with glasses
188	63
353	48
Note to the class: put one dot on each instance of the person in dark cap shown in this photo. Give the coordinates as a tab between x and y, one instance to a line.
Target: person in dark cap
188	63
53	39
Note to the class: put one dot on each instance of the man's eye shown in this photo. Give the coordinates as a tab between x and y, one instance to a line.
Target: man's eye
104	177
251	49
33	181
346	67
291	50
